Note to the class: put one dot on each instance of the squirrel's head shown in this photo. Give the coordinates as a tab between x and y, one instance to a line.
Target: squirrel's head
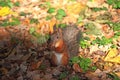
56	39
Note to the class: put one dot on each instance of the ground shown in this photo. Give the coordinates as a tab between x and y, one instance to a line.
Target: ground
27	25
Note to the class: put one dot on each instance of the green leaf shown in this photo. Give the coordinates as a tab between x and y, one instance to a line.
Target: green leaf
114	3
92	29
4	23
5	3
23	14
84	63
113	76
80	19
61	12
48	4
110	2
49	17
62	25
99	9
75	60
15	22
10	4
103	41
17	4
93	68
84	44
33	20
42	38
75	78
32	30
63	75
51	10
59	17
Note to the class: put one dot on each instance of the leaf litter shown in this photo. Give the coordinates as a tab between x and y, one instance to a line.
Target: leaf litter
21	57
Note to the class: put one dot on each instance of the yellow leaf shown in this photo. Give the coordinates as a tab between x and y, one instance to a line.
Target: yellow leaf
75	8
115	60
81	24
5	11
112	56
15	14
118	73
51	25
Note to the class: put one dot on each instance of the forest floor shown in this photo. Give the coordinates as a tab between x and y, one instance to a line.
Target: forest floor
99	51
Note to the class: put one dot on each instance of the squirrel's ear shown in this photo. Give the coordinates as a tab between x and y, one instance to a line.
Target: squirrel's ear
54	28
60	31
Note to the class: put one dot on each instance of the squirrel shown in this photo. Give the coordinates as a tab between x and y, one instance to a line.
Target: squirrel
60	55
64	45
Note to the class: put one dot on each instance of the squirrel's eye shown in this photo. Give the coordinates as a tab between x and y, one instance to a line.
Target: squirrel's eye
57	37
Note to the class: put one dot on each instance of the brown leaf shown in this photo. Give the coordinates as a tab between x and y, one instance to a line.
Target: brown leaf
4	70
91	76
105	28
109	35
115	18
26	21
35	65
77	68
4	34
118	73
51	25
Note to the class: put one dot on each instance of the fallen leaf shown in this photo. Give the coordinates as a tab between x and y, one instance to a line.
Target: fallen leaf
4	34
35	65
112	56
26	21
105	28
109	35
96	58
5	11
115	60
115	18
91	76
77	68
51	25
75	8
3	70
111	53
118	73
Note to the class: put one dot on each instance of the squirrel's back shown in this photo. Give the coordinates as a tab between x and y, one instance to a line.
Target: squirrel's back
71	35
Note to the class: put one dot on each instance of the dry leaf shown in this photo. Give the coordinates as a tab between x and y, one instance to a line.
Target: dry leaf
118	73
3	70
111	53
105	28
115	18
75	8
91	76
115	60
112	56
26	21
51	25
110	34
77	68
46	27
35	65
95	3
5	11
4	34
